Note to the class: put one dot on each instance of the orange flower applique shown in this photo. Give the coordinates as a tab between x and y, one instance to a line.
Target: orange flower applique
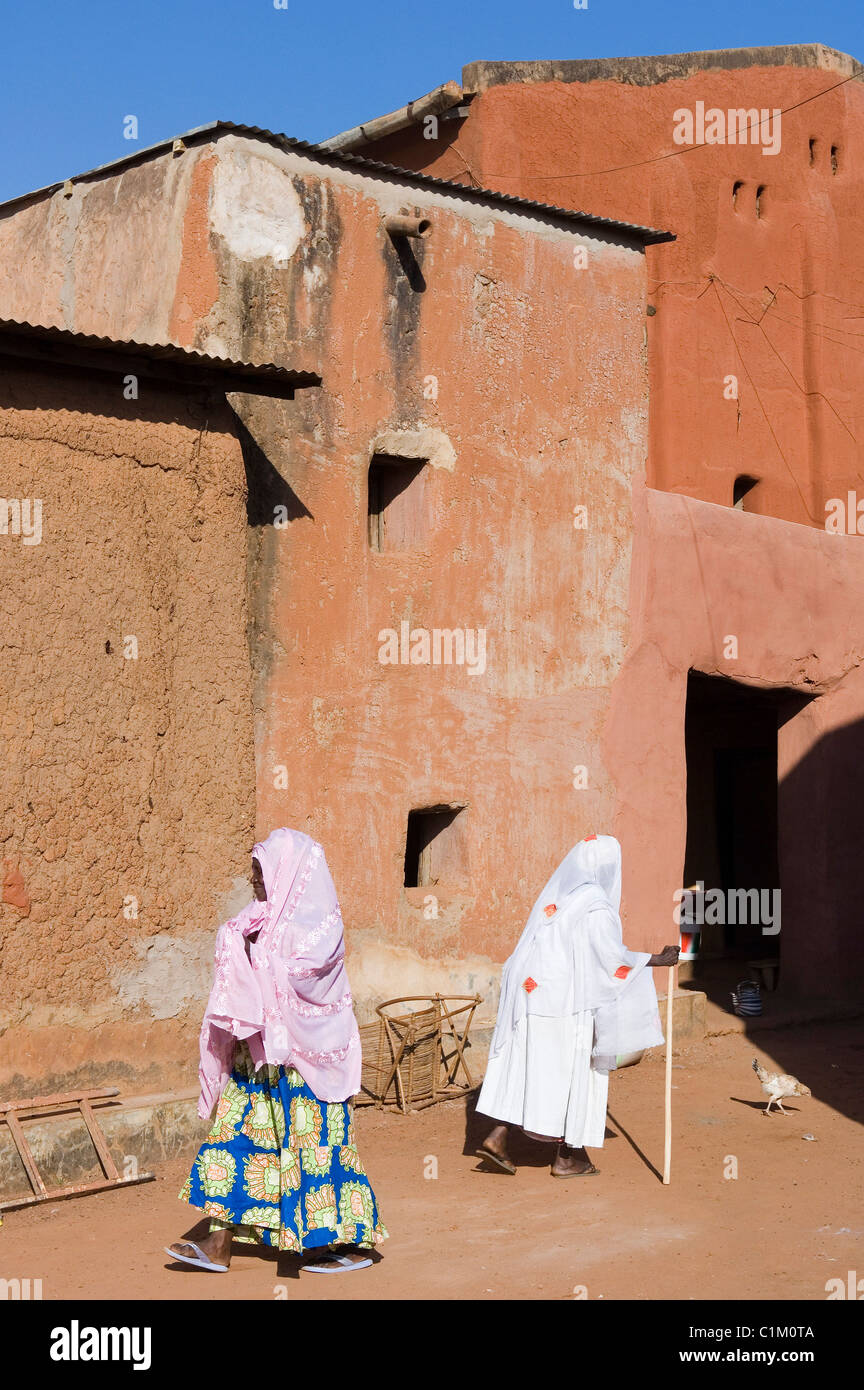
529	984
550	909
622	972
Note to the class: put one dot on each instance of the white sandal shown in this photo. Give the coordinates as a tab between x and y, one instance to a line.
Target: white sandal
336	1264
203	1261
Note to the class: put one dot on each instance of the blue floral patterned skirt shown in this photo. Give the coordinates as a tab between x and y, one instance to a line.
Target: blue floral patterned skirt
281	1166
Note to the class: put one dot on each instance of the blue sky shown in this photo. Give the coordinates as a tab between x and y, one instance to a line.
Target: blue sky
72	71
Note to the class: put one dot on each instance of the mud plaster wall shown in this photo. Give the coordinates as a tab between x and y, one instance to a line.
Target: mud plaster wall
541	407
120	778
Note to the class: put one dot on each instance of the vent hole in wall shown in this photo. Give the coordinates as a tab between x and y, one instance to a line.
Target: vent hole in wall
742	489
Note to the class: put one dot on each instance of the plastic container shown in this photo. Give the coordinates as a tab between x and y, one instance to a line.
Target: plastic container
747	999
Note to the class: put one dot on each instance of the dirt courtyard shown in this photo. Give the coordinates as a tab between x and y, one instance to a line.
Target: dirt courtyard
792	1218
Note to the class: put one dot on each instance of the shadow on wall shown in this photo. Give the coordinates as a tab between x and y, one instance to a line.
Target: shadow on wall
821	805
31	386
410	264
268	496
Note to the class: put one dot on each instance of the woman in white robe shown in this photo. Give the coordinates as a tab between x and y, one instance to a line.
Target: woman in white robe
574	1001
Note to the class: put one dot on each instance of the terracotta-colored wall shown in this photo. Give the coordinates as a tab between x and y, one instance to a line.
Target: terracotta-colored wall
773	300
121	777
792	597
541	407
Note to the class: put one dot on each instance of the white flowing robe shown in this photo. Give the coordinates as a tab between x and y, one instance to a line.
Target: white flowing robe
573	999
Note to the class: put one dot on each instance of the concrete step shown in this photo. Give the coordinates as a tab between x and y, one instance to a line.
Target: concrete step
688	1015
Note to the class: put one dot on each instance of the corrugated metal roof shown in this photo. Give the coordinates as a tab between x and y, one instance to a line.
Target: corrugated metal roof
648	236
260	375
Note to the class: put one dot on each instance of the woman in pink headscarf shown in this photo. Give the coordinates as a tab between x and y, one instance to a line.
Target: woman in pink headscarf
280	1053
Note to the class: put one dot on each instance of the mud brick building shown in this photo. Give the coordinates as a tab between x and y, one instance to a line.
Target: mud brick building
468	466
126	664
605	454
735	762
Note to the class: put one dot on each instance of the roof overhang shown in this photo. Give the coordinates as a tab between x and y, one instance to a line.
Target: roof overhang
162	362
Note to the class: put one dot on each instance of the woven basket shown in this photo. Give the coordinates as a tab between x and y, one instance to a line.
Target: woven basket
404	1061
376	1055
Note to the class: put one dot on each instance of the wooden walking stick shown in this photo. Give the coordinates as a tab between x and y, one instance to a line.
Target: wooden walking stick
667	1141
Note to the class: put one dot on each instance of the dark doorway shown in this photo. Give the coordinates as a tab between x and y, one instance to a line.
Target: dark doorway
732	823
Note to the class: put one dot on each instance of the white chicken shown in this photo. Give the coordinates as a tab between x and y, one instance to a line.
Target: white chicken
776	1084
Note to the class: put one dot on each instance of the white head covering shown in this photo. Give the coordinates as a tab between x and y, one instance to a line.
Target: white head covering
598	860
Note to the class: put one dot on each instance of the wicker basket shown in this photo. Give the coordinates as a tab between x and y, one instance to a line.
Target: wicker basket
412	1057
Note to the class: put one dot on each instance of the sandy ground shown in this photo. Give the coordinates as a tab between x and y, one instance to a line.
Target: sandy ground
792	1219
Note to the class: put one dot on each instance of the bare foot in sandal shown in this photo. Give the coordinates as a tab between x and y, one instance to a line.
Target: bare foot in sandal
572	1163
216	1247
494	1149
340	1259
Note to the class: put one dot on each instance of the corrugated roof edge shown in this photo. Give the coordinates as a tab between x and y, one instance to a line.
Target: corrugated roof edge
162	352
647	236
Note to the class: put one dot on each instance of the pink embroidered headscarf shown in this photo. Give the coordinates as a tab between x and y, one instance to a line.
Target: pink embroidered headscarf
289	997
